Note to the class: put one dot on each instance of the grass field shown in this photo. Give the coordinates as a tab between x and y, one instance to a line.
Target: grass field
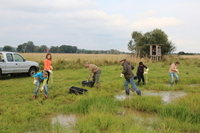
98	111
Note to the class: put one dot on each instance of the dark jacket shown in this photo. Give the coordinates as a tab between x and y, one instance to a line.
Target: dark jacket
140	69
127	70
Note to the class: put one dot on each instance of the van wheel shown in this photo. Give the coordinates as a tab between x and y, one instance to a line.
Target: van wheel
32	71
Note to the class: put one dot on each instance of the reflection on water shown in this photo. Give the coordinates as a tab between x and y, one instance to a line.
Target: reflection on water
141	118
189	84
66	121
193	85
168	84
167	96
121	97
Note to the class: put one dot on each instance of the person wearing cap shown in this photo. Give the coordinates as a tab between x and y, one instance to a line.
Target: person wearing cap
41	78
128	75
94	73
173	72
140	72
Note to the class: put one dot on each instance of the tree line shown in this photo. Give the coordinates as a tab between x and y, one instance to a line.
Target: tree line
29	47
183	53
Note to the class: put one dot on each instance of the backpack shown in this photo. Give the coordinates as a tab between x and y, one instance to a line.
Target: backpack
132	67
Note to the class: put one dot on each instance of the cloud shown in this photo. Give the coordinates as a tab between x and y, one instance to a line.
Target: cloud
47	5
156	23
147	14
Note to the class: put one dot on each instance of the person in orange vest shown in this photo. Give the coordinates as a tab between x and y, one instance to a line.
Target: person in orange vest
48	65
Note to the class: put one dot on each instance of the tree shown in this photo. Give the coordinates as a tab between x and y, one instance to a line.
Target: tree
55	49
42	49
20	48
63	49
30	46
8	48
181	53
140	42
26	47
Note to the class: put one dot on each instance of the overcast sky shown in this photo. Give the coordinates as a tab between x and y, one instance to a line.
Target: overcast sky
98	24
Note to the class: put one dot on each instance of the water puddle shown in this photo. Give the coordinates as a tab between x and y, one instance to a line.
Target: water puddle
142	118
167	96
121	97
66	121
193	85
168	84
174	84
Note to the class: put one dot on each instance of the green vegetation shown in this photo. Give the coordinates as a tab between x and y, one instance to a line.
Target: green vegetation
98	111
140	42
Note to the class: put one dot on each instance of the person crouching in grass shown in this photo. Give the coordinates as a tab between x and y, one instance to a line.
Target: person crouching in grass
41	78
95	71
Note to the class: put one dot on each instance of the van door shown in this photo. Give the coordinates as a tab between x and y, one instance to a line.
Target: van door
21	65
10	64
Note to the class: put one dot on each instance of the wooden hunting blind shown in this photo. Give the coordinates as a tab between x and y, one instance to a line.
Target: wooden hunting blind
155	52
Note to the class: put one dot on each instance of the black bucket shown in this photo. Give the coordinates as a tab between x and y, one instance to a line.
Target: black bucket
88	83
77	90
135	78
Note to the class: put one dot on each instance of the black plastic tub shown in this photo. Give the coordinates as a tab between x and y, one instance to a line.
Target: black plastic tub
135	77
77	90
88	83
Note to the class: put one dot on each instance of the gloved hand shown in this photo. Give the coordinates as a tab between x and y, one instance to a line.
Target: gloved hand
177	71
34	82
41	89
51	71
147	69
51	67
121	75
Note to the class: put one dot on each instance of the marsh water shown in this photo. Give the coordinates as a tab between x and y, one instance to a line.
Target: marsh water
167	96
68	121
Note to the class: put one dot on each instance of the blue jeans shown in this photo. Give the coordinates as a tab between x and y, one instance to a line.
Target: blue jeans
131	81
172	75
38	86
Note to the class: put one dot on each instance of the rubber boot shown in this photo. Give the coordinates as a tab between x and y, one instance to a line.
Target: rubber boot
127	92
35	96
98	85
138	93
46	97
